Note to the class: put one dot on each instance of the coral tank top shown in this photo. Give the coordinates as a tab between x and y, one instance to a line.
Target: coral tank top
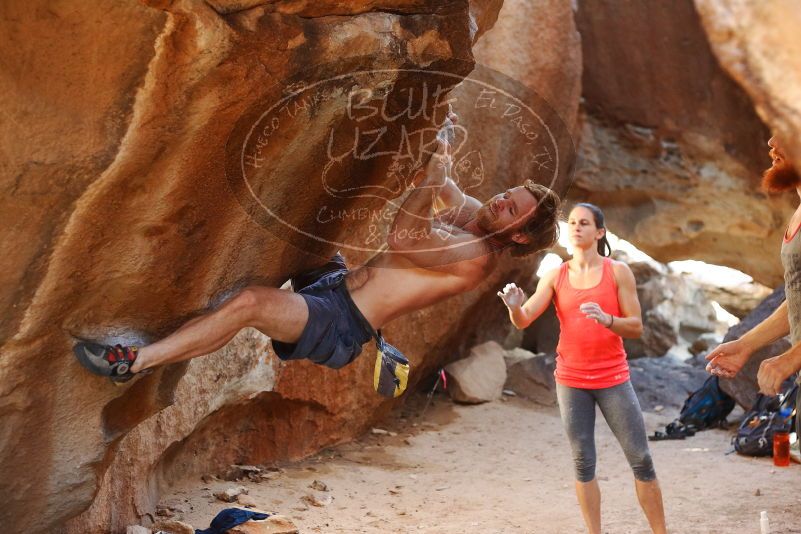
589	355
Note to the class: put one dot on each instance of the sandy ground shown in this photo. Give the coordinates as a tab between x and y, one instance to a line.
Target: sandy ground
505	467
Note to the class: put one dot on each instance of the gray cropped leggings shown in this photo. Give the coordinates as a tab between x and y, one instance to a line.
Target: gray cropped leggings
621	409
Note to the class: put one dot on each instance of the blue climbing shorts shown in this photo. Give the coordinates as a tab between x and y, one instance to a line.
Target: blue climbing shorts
336	329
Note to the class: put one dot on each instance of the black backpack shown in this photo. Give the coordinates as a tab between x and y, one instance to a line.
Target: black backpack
755	435
706	407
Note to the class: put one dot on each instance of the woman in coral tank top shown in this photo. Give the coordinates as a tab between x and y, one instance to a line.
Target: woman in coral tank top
596	303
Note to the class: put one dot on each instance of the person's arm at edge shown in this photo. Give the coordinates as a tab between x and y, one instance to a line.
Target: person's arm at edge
450	194
453	197
775	326
727	359
414	216
629	324
774	371
523	316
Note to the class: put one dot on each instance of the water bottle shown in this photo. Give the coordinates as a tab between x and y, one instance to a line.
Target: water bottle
764	524
781	439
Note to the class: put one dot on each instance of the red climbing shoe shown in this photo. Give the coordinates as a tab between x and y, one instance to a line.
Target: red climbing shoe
107	360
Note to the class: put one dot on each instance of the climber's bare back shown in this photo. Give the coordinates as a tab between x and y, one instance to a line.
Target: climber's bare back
390	285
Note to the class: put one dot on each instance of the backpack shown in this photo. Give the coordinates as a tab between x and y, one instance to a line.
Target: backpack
755	434
706	407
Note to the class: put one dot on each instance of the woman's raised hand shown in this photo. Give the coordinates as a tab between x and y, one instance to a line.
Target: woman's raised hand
512	296
592	310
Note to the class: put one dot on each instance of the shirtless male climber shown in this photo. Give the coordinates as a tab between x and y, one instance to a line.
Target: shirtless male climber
332	311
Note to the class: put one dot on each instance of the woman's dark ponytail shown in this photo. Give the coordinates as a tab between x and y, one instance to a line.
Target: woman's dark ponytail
603	243
604	248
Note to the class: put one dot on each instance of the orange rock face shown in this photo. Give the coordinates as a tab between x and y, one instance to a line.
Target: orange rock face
125	127
157	156
547	60
671	146
758	44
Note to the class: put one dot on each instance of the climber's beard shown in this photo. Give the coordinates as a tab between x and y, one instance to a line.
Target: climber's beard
780	177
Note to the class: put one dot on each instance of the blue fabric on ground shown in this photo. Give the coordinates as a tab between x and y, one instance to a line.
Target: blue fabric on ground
230	518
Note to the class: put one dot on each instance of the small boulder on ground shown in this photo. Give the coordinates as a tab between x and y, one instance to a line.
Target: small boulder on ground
238	472
246	500
479	377
319	485
664	382
705	343
317	500
275	524
230	494
531	376
659	334
739	300
163	510
172	526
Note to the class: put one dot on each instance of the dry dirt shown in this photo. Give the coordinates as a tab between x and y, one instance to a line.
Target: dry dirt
504	467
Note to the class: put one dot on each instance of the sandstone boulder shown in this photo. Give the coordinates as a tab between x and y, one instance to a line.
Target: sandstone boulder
664	381
479	377
239	472
759	46
739	300
704	344
246	500
231	494
124	221
512	48
671	146
658	337
675	312
531	376
275	524
133	222
172	526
